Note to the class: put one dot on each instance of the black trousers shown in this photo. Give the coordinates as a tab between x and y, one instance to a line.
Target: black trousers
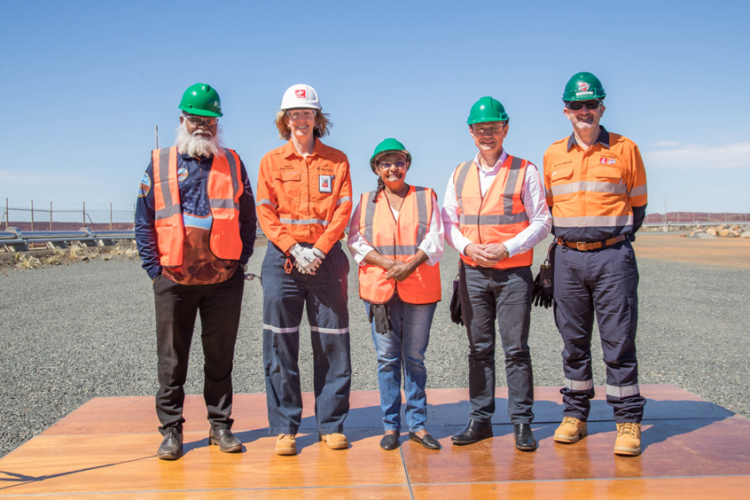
176	308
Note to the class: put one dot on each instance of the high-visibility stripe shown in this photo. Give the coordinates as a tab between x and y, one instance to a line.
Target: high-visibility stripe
369	208
492	220
589	186
299	222
463	171
266	202
343	200
623	392
276	329
421	194
510	185
223	203
579	385
329	330
593	221
639	190
166	213
397	250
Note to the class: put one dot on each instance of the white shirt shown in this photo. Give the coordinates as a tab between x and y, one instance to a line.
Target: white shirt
432	245
532	196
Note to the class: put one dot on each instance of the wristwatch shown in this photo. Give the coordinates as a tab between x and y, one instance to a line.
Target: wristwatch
244	267
507	253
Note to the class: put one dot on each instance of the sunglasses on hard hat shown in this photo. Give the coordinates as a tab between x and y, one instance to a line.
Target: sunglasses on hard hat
208	121
578	105
307	114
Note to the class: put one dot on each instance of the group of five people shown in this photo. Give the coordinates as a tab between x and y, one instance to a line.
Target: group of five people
196	231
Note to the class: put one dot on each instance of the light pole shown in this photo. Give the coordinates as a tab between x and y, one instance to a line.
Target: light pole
665	206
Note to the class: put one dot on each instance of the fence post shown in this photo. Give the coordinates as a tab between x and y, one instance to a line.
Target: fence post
50	216
84	214
110	216
7	213
32	215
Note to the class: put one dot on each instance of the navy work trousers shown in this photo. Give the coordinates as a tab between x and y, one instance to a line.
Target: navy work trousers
602	282
488	294
177	305
285	295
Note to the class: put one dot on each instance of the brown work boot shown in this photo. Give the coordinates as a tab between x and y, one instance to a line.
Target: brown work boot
335	440
286	445
571	430
628	439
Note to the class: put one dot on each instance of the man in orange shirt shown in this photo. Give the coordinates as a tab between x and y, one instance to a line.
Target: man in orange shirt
304	204
596	191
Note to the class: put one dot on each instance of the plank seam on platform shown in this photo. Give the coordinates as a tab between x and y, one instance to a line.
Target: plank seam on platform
406	471
633	478
129	492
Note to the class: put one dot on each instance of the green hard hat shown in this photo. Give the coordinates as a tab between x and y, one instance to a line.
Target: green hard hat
583	87
385	147
487	109
201	99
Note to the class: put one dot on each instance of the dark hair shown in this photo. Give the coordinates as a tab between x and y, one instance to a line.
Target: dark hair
381	187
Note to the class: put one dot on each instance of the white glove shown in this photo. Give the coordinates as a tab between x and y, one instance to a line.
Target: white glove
307	259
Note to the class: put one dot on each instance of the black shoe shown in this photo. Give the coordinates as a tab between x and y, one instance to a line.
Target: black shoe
227	441
427	441
524	437
389	442
473	432
171	447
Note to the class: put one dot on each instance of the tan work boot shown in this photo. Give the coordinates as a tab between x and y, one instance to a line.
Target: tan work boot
286	445
335	440
571	430
628	439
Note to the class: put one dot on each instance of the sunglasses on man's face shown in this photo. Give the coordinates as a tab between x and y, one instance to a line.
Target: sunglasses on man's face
578	105
207	121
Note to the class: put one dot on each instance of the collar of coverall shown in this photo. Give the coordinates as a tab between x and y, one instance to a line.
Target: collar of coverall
603	139
319	150
188	157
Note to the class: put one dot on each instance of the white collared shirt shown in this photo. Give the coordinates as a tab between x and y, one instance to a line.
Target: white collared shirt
532	197
432	245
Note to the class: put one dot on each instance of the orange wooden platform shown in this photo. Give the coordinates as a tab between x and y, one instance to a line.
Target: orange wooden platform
106	449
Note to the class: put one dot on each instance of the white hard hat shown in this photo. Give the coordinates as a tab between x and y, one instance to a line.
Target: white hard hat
300	96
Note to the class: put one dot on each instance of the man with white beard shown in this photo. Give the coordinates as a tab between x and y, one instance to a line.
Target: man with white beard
195	232
596	190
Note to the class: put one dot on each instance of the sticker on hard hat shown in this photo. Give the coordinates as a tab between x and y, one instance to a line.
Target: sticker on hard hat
145	186
182	174
583	86
300	93
579	94
325	183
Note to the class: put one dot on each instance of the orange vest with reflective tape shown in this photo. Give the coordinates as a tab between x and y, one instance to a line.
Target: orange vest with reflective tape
499	215
224	190
398	240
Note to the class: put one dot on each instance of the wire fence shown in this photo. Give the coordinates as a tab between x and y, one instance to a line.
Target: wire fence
34	215
696	217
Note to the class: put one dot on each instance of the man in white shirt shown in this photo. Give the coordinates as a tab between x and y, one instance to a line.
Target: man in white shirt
494	213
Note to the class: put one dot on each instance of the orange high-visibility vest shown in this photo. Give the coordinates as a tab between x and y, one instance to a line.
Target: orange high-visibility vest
224	190
497	216
398	240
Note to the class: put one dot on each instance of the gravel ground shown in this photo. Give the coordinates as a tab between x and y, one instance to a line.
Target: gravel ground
71	333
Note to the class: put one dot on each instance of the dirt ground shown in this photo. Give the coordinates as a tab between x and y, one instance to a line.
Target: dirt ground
721	251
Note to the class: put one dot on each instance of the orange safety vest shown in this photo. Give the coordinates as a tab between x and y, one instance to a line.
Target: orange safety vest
398	240
497	216
224	191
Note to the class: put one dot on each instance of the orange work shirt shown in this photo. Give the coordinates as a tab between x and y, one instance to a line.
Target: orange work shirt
304	199
591	193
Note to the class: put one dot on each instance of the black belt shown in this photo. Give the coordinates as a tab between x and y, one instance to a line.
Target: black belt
593	245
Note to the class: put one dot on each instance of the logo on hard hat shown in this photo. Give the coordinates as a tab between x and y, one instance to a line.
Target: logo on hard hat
300	93
583	86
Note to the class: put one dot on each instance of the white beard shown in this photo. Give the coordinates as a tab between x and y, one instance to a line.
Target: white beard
196	145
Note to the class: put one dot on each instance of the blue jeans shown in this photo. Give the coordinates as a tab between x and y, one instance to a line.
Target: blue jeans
406	343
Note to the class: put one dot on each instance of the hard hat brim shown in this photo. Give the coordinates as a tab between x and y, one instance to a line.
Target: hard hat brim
200	112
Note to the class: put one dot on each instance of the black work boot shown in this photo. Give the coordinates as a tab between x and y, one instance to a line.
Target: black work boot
473	432
524	437
171	447
228	442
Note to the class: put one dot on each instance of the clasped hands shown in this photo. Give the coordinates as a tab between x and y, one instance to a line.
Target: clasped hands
397	270
486	255
308	259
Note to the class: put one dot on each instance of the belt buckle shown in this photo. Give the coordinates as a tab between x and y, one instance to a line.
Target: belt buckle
578	246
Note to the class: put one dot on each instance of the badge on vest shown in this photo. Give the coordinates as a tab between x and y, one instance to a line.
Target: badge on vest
325	183
145	186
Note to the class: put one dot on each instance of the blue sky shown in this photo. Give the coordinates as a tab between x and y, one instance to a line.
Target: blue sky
85	83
